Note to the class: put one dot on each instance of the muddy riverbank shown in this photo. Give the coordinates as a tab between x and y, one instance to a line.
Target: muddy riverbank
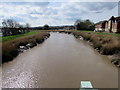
105	44
62	61
12	48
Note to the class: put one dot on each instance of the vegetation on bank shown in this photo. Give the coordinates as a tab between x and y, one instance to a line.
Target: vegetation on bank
8	38
11	27
104	33
11	48
105	43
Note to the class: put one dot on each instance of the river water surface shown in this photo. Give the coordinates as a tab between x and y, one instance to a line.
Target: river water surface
62	61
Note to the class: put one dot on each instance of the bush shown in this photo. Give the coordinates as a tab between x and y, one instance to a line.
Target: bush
8	55
97	46
39	40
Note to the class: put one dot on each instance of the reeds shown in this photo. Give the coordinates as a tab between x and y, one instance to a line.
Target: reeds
105	44
108	45
10	48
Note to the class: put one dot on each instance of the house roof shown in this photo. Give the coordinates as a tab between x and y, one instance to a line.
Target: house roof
115	18
118	18
112	18
101	22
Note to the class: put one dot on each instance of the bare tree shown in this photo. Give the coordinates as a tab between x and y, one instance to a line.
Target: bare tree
4	23
11	27
27	25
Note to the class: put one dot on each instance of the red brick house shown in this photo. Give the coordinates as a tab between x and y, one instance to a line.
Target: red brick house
100	26
115	25
112	25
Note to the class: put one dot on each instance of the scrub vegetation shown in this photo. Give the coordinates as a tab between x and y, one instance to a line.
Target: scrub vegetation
11	48
104	43
8	38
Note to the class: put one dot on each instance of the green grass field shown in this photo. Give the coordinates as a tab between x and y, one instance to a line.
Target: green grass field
7	38
103	33
112	34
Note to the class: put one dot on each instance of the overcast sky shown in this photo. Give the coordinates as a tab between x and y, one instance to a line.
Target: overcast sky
65	12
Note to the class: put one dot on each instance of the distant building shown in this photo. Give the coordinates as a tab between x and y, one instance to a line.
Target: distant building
68	28
112	25
100	26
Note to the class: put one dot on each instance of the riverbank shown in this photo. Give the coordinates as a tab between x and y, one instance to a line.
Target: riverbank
11	48
8	38
62	61
105	43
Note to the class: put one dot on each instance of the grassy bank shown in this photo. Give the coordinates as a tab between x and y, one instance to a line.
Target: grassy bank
104	33
8	38
105	43
10	48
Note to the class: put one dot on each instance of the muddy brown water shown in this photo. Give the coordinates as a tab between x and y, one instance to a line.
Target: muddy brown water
62	61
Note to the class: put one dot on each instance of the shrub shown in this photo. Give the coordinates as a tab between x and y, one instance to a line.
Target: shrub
39	40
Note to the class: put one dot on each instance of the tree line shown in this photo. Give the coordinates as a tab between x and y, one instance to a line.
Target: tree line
11	27
78	25
84	25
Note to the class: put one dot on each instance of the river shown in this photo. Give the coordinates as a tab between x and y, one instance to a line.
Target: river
62	61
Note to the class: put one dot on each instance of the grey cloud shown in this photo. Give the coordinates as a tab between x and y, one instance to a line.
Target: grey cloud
79	9
35	18
99	6
17	18
69	12
41	4
45	11
84	7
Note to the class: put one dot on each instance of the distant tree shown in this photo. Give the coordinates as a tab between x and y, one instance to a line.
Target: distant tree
11	27
84	25
27	26
77	22
46	27
9	23
78	26
6	27
89	24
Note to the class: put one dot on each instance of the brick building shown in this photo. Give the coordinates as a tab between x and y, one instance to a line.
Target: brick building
112	25
100	26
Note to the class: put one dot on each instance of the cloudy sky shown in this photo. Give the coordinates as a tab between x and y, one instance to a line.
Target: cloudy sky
64	12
